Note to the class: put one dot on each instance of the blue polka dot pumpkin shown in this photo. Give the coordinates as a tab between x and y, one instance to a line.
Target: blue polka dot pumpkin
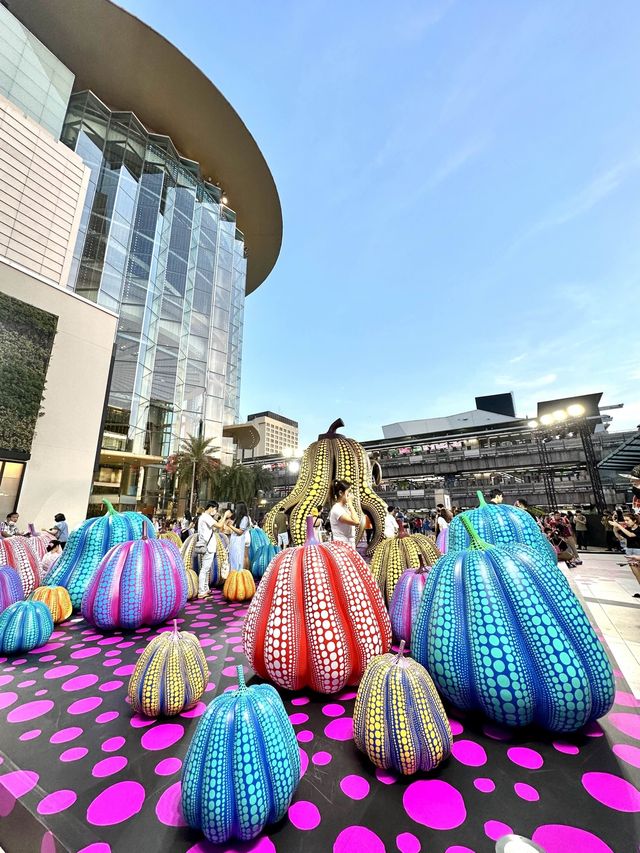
24	625
88	544
10	587
260	561
501	632
498	524
399	720
137	583
170	676
243	765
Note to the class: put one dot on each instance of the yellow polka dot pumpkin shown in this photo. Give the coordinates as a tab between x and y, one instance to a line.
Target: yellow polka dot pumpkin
170	676
399	720
394	556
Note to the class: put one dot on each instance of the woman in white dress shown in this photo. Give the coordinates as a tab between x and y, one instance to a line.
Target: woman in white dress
240	526
343	517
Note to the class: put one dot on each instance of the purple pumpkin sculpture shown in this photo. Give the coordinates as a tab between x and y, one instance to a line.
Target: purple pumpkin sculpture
405	601
137	583
442	541
10	587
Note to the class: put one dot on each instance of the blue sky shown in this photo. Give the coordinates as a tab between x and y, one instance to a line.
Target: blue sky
460	185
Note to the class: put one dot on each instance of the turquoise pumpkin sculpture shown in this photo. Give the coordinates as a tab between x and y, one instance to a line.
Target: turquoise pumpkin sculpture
87	546
258	539
24	625
500	631
498	524
260	562
243	765
10	587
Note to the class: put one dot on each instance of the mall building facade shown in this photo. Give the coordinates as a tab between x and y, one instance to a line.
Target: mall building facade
178	219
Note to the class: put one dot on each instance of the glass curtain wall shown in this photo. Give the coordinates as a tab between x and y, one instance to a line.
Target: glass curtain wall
157	246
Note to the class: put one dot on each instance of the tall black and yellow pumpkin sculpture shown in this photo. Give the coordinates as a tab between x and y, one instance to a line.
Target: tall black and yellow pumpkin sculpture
331	457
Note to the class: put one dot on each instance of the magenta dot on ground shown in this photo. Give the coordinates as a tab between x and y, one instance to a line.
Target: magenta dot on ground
628	724
57	801
358	839
612	791
495	829
406	842
116	804
30	711
65	735
162	736
109	766
560	838
83	706
525	757
321	758
304	815
355	787
168	809
20	782
168	766
470	753
340	729
526	792
435	804
628	753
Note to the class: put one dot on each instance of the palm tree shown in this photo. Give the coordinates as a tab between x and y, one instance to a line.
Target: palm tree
237	483
195	463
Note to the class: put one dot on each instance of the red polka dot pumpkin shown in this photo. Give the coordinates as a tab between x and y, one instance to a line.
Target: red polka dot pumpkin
15	552
317	618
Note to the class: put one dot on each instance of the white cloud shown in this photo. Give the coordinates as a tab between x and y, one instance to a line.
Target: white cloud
536	382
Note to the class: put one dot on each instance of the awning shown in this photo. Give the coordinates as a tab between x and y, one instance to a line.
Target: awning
245	436
119	457
625	457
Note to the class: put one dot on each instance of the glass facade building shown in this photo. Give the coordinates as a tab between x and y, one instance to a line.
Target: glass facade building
31	77
157	245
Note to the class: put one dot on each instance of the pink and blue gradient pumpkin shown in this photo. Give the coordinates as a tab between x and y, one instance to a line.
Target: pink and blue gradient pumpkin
89	543
15	552
10	587
442	541
243	765
170	676
24	625
38	541
137	583
398	719
405	601
501	632
498	524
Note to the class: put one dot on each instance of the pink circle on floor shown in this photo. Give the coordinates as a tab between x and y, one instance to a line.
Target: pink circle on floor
355	787
57	801
113	744
628	753
612	791
168	809
485	785
168	766
333	710
525	757
83	706
561	838
340	729
20	782
109	766
298	719
526	792
407	842
162	736
495	829
116	804
29	711
628	724
434	803
567	748
358	839
305	736
304	815
321	758
469	753
74	754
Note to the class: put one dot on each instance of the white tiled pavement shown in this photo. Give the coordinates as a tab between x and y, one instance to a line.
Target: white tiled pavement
607	590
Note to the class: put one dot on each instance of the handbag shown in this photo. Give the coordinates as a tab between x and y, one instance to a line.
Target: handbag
201	548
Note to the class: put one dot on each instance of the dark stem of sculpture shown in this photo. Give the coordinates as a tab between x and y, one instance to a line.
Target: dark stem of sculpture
144	531
331	432
402	532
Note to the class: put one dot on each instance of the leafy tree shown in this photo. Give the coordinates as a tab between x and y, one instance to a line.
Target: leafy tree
196	452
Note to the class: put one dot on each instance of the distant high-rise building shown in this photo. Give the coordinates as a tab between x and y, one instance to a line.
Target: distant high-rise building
264	434
181	219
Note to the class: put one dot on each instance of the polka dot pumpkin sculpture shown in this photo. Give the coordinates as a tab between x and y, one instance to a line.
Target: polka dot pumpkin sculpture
405	601
15	552
331	457
501	631
243	765
261	552
239	585
137	583
317	618
220	561
24	625
10	587
498	524
57	600
398	720
88	544
170	676
170	536
393	556
192	584
38	541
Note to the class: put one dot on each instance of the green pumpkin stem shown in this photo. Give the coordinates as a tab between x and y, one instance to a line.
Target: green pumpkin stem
241	682
109	506
476	541
481	499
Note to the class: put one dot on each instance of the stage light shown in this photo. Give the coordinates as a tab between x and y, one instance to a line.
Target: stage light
294	467
546	420
560	415
576	410
533	424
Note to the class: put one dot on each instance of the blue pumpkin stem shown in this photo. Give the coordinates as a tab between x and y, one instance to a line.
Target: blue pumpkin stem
481	499
476	542
109	506
241	682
